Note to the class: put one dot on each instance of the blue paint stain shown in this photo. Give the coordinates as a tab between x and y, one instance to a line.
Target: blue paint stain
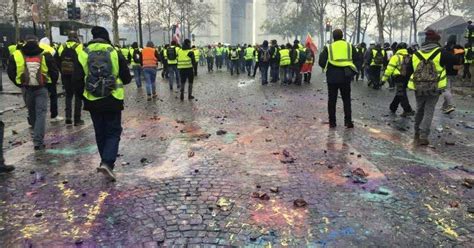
334	235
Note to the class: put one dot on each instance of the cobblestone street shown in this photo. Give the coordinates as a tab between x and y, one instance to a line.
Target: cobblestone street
243	165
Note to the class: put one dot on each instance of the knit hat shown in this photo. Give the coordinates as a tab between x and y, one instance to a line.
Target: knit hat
431	35
100	32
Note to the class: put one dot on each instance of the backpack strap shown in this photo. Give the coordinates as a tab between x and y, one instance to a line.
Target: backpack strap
434	54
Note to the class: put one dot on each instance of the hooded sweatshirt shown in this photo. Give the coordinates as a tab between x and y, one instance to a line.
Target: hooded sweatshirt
32	49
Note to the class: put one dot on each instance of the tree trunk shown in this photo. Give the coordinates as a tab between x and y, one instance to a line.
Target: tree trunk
413	14
115	17
345	19
321	30
380	20
46	20
15	18
149	30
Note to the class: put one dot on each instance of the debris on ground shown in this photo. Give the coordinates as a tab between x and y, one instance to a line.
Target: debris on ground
190	154
454	204
180	121
450	143
274	189
287	158
300	203
470	209
224	204
261	195
358	175
221	132
125	163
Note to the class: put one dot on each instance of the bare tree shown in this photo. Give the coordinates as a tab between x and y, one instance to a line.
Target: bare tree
318	9
114	7
366	19
348	10
420	8
15	19
93	13
381	8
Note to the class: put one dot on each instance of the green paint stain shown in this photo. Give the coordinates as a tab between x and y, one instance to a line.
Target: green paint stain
379	153
230	138
71	151
379	195
429	162
54	161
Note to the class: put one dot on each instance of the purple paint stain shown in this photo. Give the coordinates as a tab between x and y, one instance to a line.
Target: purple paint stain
333	235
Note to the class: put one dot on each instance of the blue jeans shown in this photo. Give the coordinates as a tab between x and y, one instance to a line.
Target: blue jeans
274	72
248	66
264	72
108	128
137	72
285	73
173	75
234	65
150	78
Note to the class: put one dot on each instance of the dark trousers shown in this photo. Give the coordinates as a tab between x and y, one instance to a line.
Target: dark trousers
248	66
345	89
296	75
71	93
264	71
257	65
374	73
186	74
195	68
307	77
274	72
466	72
234	65
53	98
360	73
210	64
401	97
164	72
108	128
2	130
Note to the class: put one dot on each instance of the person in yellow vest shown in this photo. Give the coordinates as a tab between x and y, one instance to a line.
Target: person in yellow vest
249	58
234	60
376	59
338	60
102	72
150	64
186	59
307	67
125	52
67	60
32	69
219	54
285	62
397	70
171	54
468	60
134	57
256	48
45	44
197	55
428	79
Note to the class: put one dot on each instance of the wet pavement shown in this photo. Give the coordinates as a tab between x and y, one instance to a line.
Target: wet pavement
244	165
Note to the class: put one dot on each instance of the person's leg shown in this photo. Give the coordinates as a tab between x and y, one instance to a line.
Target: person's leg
404	101
69	96
146	73
362	73
195	65
190	86
346	99
77	107
264	72
420	112
425	125
448	105
172	76
332	100
2	130
183	77
53	97
113	131
41	109
29	98
98	122
394	104
153	81
137	76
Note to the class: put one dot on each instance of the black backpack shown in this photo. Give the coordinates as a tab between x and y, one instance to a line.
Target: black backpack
378	58
171	53
68	58
100	81
266	55
426	76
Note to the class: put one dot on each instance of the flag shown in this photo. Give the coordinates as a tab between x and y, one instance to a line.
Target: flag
310	44
177	34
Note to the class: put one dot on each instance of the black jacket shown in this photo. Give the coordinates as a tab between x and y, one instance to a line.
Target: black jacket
275	56
110	103
32	49
335	74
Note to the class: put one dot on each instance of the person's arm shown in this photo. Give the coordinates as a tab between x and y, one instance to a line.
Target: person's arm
390	68
124	72
11	70
157	56
53	70
193	58
356	59
323	57
78	76
448	59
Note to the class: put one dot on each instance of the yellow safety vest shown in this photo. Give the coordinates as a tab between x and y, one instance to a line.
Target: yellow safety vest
443	81
340	55
70	44
131	52
285	57
374	53
125	52
11	49
119	92
466	51
171	62
395	64
47	48
20	67
219	51
197	54
249	53
184	61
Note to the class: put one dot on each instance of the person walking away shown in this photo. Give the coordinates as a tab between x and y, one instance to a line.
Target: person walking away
219	51
172	54
468	60
307	67
102	73
249	57
255	57
274	62
32	69
389	53
299	61
428	79
361	50
45	44
4	168
197	55
67	60
397	69
285	62
234	61
264	60
125	51
451	73
338	61
150	63
135	59
186	60
164	61
210	54
376	59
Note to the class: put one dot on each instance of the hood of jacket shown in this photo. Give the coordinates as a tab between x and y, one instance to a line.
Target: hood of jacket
402	52
429	46
46	41
31	49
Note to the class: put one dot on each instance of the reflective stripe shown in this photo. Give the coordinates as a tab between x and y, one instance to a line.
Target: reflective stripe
184	61
340	55
442	82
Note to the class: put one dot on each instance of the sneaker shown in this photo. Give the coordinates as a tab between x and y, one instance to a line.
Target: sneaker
57	119
68	122
107	171
155	96
423	142
190	97
40	147
148	98
332	125
406	114
6	168
449	109
78	123
350	125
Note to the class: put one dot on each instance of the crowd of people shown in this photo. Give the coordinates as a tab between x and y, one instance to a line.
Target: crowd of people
94	74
